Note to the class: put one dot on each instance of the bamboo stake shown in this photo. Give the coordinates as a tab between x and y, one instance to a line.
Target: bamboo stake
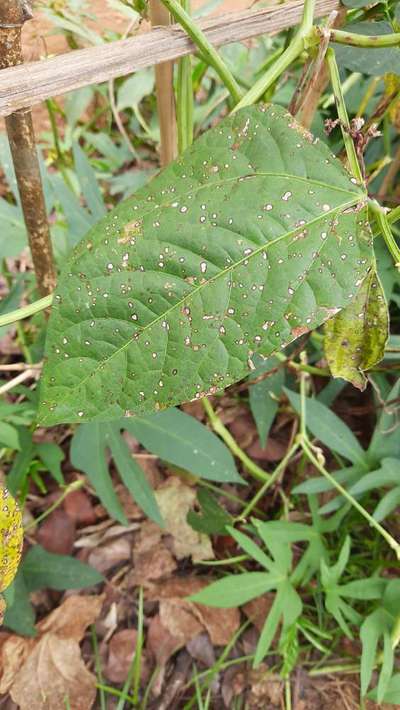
13	14
160	16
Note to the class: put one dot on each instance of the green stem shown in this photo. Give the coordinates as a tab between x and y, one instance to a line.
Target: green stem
383	223
184	97
303	395
227	437
74	486
208	52
393	215
338	668
295	48
356	40
26	311
371	521
343	117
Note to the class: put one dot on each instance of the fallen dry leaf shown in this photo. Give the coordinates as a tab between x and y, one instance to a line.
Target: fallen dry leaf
54	672
175	499
107	556
266	689
160	643
57	533
121	650
71	619
79	508
41	673
151	558
180	620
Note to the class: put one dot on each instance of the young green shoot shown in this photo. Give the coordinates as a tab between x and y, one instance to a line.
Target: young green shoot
291	53
227	437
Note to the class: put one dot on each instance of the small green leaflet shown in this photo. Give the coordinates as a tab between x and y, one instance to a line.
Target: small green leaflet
355	338
256	235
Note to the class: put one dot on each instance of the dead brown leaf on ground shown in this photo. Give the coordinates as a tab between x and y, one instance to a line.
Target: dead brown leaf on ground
175	499
121	651
57	533
41	673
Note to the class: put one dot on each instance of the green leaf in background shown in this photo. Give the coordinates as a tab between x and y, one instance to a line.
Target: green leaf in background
329	429
45	569
385	440
12	300
88	182
52	456
372	61
381	624
132	474
183	441
20	614
392	694
88	454
9	436
231	250
355	338
264	395
21	463
236	589
213	519
134	89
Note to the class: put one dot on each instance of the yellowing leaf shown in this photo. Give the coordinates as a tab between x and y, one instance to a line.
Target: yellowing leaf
355	338
11	537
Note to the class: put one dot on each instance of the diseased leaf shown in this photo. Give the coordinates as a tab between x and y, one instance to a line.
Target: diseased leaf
355	338
253	237
11	538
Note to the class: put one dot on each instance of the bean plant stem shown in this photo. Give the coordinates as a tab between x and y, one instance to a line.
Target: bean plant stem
227	437
296	46
307	448
208	52
384	227
274	477
26	311
357	40
74	486
184	97
343	117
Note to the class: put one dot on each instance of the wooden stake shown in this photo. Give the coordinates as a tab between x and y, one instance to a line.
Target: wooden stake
160	16
13	14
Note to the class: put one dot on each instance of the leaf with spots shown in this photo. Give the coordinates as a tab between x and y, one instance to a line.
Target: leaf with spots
11	536
355	339
255	236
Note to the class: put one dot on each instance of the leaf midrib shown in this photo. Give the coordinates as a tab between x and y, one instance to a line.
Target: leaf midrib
232	267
